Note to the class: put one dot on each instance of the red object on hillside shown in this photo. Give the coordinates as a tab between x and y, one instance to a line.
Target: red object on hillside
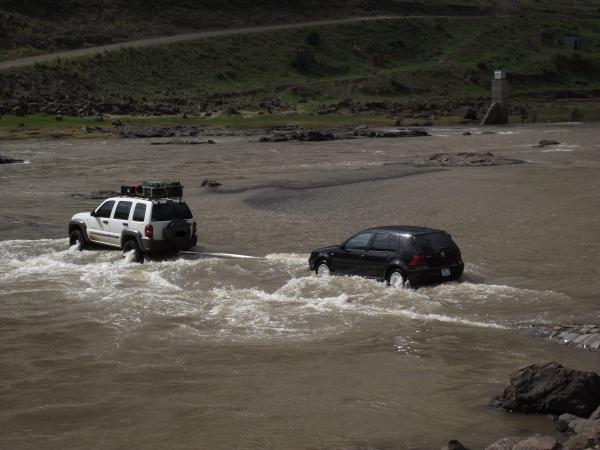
377	59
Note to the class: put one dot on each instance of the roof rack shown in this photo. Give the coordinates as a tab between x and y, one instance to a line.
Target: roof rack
154	189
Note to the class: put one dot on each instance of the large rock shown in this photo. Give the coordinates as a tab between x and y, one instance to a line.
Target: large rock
583	441
528	443
454	445
504	444
538	443
550	388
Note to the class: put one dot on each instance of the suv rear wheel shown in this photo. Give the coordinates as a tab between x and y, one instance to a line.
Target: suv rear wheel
76	238
132	246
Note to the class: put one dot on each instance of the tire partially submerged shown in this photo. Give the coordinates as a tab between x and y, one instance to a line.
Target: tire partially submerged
76	238
132	246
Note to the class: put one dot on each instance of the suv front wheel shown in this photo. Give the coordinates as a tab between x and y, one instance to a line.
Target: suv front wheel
132	246
76	238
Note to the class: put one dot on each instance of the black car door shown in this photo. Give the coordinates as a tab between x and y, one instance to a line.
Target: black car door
350	258
380	254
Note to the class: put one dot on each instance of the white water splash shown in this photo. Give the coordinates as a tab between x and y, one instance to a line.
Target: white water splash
274	296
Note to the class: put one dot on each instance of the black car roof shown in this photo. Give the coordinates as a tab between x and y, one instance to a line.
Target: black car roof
405	229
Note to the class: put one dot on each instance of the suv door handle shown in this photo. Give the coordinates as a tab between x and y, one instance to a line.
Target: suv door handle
105	222
125	224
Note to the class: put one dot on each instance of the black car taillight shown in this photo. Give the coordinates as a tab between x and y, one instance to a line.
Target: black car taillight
149	231
194	228
417	260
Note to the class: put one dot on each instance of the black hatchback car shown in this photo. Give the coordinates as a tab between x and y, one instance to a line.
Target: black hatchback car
400	255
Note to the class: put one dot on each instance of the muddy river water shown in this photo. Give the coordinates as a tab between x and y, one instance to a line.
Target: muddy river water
191	352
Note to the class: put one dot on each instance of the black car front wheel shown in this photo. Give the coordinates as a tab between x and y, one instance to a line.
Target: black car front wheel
397	279
132	246
322	269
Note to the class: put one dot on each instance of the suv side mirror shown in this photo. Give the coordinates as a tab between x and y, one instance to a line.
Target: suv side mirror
93	213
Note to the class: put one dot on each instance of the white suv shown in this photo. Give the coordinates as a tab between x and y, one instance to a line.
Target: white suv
141	225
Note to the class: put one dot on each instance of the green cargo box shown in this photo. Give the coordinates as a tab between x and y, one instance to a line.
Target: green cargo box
160	184
163	192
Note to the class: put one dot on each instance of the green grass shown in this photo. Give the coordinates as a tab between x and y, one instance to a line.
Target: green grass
42	26
47	126
445	61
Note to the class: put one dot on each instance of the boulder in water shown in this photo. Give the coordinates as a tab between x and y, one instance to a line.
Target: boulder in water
550	388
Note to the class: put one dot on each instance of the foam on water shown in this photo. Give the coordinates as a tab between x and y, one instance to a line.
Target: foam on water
274	296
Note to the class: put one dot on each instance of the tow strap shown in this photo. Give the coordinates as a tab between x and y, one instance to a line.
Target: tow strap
220	255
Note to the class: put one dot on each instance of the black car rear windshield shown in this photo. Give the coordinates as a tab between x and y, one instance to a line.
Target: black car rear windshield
431	243
170	211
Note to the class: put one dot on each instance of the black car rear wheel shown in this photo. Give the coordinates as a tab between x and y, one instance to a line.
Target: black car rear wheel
397	279
322	269
132	246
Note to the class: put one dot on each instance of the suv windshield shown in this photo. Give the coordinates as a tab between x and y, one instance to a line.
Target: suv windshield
432	243
170	211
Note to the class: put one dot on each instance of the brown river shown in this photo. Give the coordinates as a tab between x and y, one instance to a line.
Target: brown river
216	353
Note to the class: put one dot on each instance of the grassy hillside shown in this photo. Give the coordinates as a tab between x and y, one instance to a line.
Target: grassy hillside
29	27
431	65
446	62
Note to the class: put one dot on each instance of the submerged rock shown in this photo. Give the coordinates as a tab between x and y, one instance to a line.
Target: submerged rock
550	388
211	183
584	337
311	136
183	142
5	160
96	195
470	159
546	142
367	132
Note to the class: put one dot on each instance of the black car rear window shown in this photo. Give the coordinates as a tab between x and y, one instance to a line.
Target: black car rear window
170	211
385	242
431	243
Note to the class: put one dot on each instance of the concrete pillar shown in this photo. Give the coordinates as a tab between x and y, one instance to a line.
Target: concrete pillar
497	113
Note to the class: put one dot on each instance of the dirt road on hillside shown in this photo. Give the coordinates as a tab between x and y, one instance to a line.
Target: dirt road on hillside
163	40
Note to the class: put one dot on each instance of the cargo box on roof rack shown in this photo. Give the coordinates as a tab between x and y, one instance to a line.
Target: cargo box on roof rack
154	189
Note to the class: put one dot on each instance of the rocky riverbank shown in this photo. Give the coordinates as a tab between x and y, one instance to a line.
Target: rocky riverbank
569	397
288	133
583	337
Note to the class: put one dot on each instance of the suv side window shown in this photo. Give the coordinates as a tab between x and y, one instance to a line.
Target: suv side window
359	242
122	211
383	242
139	213
105	209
